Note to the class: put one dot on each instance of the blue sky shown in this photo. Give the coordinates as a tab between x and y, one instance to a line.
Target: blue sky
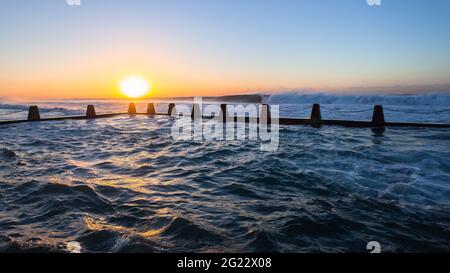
225	46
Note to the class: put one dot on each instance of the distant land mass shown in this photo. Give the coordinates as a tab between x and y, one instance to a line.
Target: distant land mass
246	98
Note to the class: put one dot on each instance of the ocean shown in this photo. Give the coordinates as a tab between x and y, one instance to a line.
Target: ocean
123	184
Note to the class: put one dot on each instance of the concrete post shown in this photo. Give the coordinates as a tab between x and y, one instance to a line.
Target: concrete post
151	109
171	108
33	113
265	115
132	109
316	115
90	112
196	111
224	112
378	115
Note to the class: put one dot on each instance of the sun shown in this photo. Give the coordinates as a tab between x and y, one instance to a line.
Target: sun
134	86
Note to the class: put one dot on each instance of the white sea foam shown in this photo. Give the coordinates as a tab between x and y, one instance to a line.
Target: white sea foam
74	247
431	99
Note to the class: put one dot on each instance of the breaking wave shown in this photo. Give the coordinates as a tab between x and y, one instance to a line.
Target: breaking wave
431	99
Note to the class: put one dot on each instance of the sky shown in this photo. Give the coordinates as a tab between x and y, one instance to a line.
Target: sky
49	49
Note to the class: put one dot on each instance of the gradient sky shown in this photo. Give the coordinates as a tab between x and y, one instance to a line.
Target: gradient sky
212	47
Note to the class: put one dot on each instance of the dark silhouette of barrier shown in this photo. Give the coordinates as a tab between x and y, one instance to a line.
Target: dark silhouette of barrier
265	116
33	114
90	111
315	119
316	115
171	109
378	115
196	111
132	109
151	109
223	113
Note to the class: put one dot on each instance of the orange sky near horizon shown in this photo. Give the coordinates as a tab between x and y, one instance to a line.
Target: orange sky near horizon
87	74
109	88
95	72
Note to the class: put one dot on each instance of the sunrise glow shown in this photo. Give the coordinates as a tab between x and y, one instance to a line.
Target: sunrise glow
134	87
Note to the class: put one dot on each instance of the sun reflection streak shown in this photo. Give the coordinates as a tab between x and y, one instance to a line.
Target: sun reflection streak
99	225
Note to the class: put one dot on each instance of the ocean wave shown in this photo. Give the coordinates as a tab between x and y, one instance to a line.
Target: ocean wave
12	245
124	185
6	154
431	99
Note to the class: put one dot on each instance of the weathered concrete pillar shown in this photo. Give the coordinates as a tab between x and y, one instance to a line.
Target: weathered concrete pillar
33	113
90	112
196	111
378	115
316	115
132	109
151	109
265	115
171	108
224	112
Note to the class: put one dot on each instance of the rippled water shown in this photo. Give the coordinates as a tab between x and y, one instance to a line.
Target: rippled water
124	185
